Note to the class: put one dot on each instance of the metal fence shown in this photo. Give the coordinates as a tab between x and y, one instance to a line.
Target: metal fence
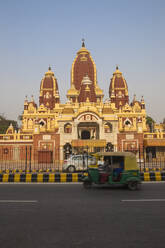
28	158
152	164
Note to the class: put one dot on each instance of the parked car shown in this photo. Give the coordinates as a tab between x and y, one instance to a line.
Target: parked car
78	162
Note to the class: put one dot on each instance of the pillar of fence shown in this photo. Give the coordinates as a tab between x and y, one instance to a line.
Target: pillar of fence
30	155
144	161
140	159
25	159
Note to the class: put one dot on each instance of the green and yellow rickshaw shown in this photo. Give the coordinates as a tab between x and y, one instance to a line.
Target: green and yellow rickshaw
114	168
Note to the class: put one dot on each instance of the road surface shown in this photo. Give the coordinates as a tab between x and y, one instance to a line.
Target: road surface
66	215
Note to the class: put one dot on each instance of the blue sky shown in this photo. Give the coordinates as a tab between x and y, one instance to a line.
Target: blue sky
37	33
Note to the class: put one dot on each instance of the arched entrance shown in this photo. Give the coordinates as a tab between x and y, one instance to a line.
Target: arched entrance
85	134
88	130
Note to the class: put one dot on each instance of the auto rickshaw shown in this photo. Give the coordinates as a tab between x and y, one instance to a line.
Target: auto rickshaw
114	168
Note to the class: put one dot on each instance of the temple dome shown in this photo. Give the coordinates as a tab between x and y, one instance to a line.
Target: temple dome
118	90
49	94
83	65
118	80
48	79
83	48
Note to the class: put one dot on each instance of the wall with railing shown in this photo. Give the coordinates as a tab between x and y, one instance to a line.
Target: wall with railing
29	158
16	137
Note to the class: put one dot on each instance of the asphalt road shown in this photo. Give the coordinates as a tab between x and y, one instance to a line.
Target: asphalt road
66	215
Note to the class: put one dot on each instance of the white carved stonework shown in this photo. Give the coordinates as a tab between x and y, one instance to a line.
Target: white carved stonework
87	117
94	118
129	136
46	137
82	118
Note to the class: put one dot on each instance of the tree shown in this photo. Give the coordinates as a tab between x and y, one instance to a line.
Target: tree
4	124
20	117
150	122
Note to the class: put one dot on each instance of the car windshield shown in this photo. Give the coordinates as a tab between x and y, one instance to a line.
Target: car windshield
86	157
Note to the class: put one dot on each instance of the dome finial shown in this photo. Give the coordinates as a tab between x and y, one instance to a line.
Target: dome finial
49	68
83	43
117	67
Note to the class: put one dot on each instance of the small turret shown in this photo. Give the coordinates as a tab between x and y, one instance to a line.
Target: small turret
142	103
25	103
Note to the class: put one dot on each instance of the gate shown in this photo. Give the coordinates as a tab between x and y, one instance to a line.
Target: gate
45	157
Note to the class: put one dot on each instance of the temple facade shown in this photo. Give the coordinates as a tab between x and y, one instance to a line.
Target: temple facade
86	121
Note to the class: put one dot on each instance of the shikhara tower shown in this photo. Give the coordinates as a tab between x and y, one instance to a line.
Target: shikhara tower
84	86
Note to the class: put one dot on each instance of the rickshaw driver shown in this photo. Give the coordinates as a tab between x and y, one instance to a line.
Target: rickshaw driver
104	166
101	162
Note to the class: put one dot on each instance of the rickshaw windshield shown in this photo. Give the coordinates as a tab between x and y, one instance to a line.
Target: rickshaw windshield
112	161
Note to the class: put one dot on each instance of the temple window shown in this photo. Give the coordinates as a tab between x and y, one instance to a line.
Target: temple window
108	127
67	128
42	123
127	122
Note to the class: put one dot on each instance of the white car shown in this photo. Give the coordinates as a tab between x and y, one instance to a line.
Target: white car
78	163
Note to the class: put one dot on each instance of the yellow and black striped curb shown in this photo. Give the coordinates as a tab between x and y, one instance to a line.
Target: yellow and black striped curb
153	176
41	177
8	171
65	177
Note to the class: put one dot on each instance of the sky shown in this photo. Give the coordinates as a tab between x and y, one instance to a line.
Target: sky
37	33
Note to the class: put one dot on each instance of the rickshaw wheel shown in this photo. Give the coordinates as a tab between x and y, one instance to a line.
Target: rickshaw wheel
133	185
87	185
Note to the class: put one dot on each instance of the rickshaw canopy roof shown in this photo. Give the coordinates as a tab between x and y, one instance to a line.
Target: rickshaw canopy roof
129	158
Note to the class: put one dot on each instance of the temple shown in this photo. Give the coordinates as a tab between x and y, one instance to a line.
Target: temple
86	120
